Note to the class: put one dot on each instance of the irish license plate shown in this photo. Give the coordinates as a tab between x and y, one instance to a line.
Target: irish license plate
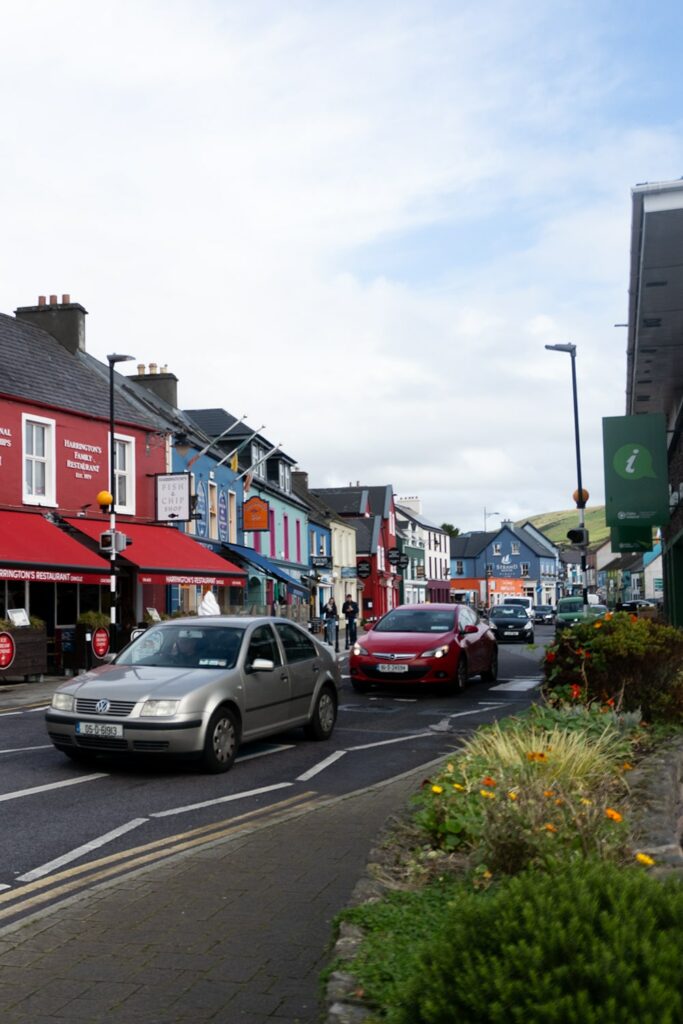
510	632
107	729
393	668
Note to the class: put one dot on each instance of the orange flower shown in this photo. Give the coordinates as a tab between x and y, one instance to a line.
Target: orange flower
512	795
549	827
559	802
626	767
612	814
597	625
536	755
548	792
633	618
488	781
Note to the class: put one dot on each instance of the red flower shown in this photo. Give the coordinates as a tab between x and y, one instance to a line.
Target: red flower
576	691
550	656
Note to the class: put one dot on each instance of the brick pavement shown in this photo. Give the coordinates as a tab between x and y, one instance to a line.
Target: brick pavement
235	933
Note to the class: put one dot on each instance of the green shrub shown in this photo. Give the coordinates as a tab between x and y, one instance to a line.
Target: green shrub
591	944
94	620
619	660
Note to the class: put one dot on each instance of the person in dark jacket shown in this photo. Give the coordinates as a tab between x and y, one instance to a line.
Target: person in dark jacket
350	611
330	618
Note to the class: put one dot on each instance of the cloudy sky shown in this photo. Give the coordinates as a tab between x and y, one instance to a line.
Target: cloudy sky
358	222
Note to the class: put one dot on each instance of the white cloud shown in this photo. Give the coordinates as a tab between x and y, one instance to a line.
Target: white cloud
209	178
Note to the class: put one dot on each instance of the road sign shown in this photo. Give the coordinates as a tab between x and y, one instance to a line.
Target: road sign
364	569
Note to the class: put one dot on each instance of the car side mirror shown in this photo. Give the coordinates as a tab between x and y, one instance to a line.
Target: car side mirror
469	629
261	665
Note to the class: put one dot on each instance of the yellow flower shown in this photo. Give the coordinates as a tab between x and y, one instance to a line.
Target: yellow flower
597	625
643	859
549	827
559	801
512	795
437	789
586	802
488	794
612	814
536	755
456	785
548	792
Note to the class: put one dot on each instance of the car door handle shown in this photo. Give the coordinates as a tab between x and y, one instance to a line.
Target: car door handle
284	677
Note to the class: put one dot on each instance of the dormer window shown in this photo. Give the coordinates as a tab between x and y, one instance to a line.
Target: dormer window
285	476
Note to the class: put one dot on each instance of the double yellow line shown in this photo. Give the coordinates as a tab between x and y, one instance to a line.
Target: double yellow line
32	896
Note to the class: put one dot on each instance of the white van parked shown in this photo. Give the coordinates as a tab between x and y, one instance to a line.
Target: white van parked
527	603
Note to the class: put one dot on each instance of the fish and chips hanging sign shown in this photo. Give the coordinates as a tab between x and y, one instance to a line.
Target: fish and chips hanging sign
256	515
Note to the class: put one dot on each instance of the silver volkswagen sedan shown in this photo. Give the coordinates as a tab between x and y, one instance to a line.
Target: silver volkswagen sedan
198	687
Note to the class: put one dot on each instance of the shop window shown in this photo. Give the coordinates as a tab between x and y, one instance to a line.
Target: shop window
39	460
213	510
67	604
124	474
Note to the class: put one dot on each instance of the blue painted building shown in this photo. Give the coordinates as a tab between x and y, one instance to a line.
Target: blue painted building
486	567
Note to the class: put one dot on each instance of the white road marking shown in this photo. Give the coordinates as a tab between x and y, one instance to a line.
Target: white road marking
320	766
17	750
80	851
264	753
17	794
30	711
398	739
518	685
220	800
11	714
2	886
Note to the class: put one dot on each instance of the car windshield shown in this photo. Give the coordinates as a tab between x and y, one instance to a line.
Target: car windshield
570	604
414	620
598	609
509	611
171	646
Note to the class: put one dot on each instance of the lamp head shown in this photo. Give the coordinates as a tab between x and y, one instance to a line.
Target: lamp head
115	357
562	348
104	500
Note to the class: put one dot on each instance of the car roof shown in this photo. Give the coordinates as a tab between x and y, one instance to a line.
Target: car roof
221	620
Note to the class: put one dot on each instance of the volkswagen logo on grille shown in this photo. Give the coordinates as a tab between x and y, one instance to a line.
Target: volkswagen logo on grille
102	707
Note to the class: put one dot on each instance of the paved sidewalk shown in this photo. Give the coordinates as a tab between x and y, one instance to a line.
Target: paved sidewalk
236	933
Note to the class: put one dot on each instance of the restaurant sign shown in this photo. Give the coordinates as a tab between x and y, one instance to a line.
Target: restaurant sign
256	515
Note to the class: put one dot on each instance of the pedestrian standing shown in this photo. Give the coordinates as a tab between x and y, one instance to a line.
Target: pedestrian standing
350	611
330	618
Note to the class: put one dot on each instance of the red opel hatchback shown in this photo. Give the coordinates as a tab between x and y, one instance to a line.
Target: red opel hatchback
425	643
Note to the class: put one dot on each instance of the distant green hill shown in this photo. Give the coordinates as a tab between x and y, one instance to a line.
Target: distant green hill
555	525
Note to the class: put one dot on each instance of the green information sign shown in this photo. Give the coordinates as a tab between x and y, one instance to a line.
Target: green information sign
636	478
631	538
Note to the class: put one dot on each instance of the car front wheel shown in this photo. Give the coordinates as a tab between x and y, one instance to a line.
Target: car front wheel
491	673
222	739
324	716
462	674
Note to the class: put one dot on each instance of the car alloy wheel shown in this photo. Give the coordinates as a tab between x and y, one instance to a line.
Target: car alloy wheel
491	674
324	716
220	745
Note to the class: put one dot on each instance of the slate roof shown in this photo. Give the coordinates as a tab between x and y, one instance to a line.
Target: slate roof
367	533
319	511
214	421
37	368
347	501
421	520
469	545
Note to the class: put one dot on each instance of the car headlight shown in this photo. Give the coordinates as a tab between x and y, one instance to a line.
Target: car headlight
357	649
160	708
528	625
436	652
63	701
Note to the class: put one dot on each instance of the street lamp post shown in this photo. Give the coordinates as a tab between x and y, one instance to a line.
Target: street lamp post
112	360
580	493
487	516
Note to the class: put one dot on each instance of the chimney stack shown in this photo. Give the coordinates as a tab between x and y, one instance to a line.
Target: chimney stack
65	321
164	384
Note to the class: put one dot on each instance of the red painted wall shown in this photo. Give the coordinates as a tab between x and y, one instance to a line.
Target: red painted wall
80	475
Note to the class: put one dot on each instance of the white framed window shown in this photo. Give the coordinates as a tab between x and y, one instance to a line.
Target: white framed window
124	474
257	453
284	476
496	549
515	547
232	517
459	570
524	568
39	486
213	510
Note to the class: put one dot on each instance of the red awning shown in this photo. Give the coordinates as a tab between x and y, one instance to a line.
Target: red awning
165	555
33	548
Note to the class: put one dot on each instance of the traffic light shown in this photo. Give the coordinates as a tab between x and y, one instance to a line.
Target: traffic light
578	536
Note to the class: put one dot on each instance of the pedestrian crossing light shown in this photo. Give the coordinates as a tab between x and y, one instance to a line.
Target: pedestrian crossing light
578	536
